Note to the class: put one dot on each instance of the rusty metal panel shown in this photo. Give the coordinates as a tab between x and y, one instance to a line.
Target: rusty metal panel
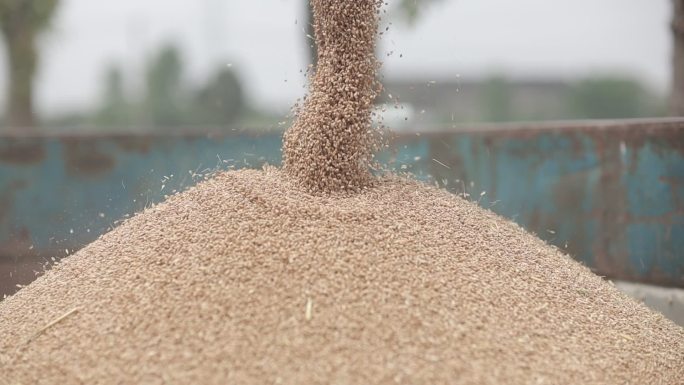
59	193
610	193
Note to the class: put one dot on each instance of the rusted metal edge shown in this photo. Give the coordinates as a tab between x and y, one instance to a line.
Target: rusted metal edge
562	125
211	132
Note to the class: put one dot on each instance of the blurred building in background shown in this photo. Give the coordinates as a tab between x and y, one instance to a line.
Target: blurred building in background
498	99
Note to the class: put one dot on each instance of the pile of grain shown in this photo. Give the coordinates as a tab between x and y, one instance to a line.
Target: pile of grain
248	279
322	274
331	144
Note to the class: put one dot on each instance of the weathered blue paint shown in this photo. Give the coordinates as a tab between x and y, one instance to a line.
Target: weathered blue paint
611	193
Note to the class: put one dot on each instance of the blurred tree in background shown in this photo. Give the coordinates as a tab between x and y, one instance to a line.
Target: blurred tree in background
411	9
677	102
167	104
115	110
21	22
220	101
164	88
611	97
497	98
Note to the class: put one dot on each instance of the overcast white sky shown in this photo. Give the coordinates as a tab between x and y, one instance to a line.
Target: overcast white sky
264	42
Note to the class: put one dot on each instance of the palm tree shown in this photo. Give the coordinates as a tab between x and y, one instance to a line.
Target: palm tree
21	21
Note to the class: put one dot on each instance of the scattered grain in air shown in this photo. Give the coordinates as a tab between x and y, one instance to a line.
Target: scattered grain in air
440	163
412	283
